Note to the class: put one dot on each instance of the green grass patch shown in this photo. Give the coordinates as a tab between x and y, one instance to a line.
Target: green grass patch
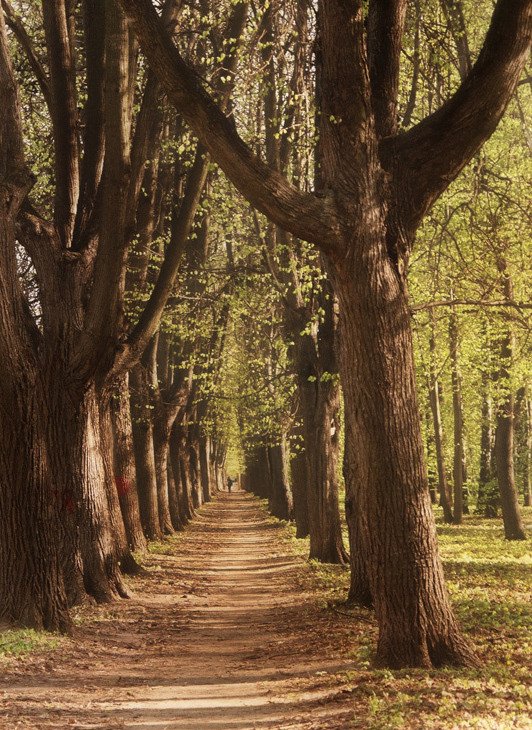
18	642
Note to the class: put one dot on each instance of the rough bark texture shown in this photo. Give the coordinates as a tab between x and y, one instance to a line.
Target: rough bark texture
125	475
280	502
144	453
32	590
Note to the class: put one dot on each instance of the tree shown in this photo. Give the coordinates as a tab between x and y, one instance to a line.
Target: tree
377	186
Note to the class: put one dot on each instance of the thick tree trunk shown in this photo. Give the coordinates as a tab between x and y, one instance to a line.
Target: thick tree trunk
99	549
359	587
32	590
320	406
124	466
144	453
299	481
280	502
118	529
386	458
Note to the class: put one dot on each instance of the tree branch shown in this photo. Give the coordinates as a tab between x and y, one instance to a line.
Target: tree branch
16	25
303	214
427	158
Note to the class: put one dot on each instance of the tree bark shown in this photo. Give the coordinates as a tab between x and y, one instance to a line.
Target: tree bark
144	453
280	502
125	475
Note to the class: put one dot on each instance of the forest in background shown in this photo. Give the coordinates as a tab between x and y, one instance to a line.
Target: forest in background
162	333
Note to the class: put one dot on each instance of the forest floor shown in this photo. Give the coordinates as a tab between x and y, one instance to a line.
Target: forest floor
230	628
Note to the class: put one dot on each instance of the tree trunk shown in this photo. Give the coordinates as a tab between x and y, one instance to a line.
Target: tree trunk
528	466
320	405
144	453
173	497
458	462
204	461
299	481
124	466
504	453
32	590
359	587
487	440
99	548
126	560
416	622
258	473
504	431
434	392
280	503
161	441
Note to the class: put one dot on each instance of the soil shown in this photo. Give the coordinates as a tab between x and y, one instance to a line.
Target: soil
220	634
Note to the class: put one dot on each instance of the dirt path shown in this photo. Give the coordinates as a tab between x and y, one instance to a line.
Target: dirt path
218	636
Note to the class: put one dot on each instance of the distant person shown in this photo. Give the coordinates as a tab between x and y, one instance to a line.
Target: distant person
229	484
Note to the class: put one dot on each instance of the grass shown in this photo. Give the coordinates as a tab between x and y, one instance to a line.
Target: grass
490	583
19	642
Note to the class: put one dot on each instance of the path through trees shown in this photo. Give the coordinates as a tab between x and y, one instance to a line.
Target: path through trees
217	637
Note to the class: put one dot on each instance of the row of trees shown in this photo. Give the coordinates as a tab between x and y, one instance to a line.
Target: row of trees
132	278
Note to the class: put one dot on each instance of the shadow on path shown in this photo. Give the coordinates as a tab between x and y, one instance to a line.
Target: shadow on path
213	639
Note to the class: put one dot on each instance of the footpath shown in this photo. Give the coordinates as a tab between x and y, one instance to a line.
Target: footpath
218	636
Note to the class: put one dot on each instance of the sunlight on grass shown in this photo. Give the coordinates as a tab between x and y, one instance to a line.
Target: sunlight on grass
490	584
26	641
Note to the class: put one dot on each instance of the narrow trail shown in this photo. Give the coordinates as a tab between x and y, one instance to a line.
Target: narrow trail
218	636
